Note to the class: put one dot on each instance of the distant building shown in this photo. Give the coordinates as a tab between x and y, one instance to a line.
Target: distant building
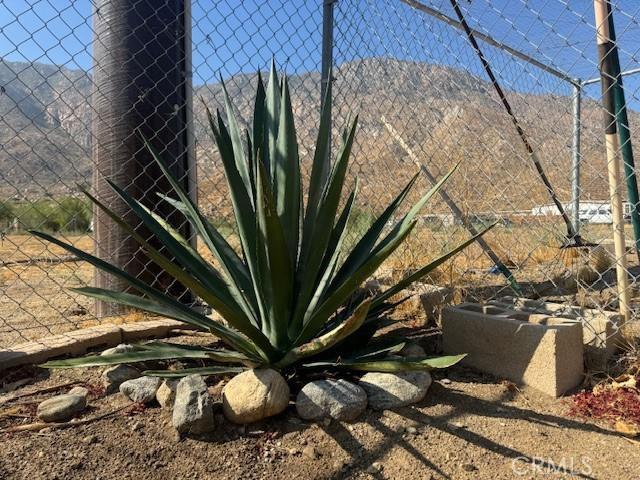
591	211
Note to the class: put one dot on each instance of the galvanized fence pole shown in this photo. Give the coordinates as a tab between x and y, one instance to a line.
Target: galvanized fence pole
576	157
327	66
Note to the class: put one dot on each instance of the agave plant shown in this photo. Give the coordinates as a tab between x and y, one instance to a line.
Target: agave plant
290	294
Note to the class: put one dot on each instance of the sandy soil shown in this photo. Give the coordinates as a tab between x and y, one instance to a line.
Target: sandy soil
469	426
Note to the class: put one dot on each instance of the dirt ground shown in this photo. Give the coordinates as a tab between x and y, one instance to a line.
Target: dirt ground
469	426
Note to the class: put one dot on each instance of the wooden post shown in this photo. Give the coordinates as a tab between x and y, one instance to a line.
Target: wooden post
605	47
141	80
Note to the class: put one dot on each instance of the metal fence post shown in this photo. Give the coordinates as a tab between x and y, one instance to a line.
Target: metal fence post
140	83
576	156
327	66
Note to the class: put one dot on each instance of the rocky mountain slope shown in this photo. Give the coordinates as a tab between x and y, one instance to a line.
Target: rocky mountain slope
444	114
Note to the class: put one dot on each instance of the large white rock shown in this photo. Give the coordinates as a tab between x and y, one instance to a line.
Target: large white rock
337	399
254	395
61	407
393	390
193	406
141	390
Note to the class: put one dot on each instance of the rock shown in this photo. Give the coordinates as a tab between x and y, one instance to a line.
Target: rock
375	467
310	452
469	467
113	377
140	390
82	391
166	393
254	395
61	408
412	350
122	348
393	390
193	406
90	439
336	399
433	298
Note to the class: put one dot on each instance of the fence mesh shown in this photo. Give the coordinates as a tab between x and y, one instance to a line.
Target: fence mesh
424	101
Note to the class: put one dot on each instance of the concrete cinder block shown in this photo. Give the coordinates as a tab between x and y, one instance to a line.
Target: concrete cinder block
541	351
601	328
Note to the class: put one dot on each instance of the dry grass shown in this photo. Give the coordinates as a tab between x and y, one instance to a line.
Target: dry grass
35	301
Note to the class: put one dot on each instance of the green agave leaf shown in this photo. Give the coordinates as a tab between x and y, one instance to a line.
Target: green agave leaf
321	165
213	370
311	259
421	203
329	339
422	272
391	365
342	292
278	271
242	165
214	294
244	213
149	353
239	285
271	118
259	128
158	302
286	174
365	245
334	249
378	349
167	307
233	266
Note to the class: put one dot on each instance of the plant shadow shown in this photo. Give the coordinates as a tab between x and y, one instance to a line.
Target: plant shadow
463	405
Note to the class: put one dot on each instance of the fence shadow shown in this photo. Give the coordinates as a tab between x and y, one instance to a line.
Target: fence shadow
464	405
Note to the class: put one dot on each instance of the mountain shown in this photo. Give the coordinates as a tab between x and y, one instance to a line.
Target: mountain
444	115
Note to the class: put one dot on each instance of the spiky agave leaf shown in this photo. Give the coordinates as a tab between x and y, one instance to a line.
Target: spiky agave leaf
284	294
390	364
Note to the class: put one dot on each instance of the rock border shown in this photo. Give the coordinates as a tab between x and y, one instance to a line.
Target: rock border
80	341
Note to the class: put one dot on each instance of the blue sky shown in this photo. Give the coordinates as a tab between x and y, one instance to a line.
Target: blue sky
233	36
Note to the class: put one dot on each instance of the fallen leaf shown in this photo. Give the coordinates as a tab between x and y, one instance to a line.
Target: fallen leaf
625	381
626	428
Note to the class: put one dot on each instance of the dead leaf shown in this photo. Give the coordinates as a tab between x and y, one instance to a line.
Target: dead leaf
625	381
627	429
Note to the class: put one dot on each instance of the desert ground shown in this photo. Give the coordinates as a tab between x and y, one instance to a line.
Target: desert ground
470	425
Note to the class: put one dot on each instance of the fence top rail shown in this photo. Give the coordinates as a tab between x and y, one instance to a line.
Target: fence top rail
591	81
491	41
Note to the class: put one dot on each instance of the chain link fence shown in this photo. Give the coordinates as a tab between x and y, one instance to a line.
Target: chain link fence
424	101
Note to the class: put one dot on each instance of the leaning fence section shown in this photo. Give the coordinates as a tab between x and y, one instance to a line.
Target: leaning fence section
425	104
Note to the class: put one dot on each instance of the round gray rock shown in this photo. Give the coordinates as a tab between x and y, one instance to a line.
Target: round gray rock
141	390
61	407
254	395
336	399
393	390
